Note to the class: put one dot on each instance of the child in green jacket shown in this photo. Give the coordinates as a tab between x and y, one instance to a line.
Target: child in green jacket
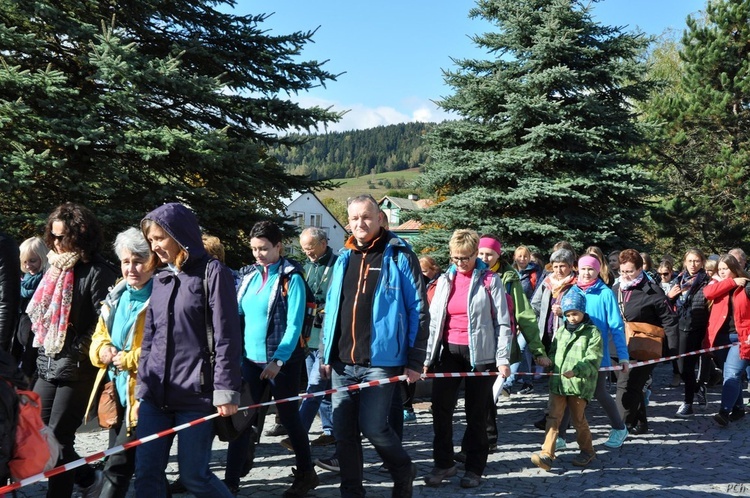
577	352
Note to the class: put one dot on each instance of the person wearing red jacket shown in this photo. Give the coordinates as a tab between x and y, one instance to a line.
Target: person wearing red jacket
728	323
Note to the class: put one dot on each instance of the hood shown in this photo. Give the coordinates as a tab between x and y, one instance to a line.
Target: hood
182	225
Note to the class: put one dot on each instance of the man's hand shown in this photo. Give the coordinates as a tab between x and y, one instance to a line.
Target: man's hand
226	410
412	375
270	372
325	371
504	371
625	366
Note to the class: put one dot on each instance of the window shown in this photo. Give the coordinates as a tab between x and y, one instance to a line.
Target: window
298	219
316	220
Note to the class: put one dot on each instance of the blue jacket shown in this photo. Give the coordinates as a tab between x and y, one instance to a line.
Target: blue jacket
400	314
602	308
175	367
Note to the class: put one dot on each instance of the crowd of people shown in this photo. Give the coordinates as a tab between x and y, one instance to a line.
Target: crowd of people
177	335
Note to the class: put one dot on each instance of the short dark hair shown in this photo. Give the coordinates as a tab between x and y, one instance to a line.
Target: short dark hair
83	231
267	230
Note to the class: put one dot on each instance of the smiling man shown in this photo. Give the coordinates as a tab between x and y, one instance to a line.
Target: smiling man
375	327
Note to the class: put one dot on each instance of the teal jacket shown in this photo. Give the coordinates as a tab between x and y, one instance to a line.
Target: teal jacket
580	351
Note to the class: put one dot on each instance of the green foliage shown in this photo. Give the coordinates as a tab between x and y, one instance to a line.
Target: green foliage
124	106
704	154
543	151
358	152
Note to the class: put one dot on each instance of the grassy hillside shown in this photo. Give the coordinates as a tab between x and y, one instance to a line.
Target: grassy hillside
375	185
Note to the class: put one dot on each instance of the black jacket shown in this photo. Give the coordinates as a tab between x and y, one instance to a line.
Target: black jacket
10	289
92	283
647	303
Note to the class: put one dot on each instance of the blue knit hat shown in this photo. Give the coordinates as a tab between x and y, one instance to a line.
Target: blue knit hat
573	300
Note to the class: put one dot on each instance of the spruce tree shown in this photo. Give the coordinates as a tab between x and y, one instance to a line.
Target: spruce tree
124	105
704	153
542	150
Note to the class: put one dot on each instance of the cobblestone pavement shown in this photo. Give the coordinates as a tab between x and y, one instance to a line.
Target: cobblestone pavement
677	457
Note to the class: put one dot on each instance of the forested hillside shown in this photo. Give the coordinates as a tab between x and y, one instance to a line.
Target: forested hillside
356	153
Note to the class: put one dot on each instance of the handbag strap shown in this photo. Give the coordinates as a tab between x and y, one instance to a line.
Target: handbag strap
621	303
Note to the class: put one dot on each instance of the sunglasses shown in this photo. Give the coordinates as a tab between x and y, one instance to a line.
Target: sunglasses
664	274
58	238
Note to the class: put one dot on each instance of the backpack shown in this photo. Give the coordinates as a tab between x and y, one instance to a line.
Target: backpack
311	306
36	449
509	300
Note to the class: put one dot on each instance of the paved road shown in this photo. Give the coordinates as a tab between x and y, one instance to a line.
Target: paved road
692	457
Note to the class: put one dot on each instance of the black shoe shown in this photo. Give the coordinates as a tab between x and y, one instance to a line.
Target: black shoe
232	489
526	389
541	424
722	418
737	413
459	457
303	482
276	430
177	488
639	428
404	488
700	395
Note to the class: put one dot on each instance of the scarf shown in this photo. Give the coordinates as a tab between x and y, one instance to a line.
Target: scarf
585	287
557	286
632	283
49	309
29	284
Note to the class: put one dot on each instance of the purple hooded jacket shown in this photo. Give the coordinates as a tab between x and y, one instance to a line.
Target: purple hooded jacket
175	366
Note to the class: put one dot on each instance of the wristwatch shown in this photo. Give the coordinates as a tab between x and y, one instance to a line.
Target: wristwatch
279	363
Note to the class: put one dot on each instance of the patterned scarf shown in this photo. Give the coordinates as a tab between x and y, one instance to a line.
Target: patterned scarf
49	309
557	286
632	283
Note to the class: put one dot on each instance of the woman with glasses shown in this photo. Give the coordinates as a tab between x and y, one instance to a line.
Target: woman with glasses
640	300
469	332
692	311
63	314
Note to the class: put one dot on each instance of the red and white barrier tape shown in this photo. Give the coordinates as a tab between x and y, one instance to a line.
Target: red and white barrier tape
354	387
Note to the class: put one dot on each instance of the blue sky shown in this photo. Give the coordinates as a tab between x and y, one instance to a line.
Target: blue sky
393	51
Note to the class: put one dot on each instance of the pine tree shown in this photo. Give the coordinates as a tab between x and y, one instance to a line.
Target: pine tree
542	152
124	105
705	150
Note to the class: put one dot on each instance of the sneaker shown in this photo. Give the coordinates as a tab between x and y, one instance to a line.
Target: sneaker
383	468
676	380
323	440
737	413
436	475
722	418
542	461
639	428
460	457
505	392
583	459
685	410
303	482
700	396
560	444
287	443
616	438
410	416
276	430
470	480
526	389
331	464
405	488
95	489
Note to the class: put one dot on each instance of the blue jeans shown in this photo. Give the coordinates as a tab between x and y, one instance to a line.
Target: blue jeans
193	454
318	404
367	411
731	390
284	385
523	366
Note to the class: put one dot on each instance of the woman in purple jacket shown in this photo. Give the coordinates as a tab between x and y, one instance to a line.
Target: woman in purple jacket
177	380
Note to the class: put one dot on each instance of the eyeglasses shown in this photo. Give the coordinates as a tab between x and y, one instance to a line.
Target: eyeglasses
629	272
57	237
458	259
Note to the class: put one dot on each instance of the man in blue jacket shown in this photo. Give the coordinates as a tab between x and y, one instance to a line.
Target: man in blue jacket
375	327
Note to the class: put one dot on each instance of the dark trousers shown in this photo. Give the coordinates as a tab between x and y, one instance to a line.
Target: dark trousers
689	342
630	400
477	391
119	467
63	407
284	385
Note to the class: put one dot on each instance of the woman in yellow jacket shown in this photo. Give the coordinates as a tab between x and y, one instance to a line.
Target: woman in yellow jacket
116	348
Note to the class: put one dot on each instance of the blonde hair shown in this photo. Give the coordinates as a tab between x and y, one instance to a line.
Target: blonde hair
34	245
515	253
603	263
464	239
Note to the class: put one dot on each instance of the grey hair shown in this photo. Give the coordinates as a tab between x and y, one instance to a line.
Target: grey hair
562	256
316	233
132	240
366	198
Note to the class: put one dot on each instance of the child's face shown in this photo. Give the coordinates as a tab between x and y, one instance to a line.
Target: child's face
574	317
32	264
